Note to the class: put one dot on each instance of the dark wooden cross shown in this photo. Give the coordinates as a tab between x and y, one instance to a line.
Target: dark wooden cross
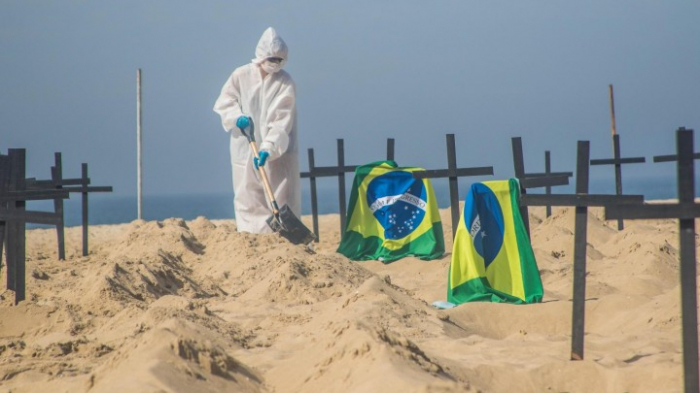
534	180
56	182
14	217
548	173
686	211
84	189
617	162
453	174
331	171
581	200
76	185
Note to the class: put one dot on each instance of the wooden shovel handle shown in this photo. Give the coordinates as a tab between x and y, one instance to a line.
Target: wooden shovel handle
266	181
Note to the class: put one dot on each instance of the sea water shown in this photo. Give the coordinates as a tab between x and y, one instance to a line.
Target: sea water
116	209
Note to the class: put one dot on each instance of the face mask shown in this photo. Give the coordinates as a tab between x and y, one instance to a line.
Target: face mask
270	67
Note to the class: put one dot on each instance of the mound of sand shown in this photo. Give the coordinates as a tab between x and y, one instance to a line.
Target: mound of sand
176	306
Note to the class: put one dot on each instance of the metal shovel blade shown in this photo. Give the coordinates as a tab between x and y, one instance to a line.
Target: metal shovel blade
290	227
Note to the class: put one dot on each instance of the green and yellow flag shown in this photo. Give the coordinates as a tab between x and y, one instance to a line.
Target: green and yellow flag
391	215
492	259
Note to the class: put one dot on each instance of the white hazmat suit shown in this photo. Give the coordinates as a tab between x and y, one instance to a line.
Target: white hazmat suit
271	103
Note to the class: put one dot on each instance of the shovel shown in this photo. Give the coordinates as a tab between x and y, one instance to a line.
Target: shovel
282	221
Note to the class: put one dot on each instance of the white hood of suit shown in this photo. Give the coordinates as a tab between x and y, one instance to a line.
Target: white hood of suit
271	45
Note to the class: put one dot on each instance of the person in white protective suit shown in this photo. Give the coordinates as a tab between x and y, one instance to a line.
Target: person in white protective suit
263	94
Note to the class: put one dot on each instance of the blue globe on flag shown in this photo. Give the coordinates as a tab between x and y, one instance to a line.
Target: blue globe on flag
398	202
484	223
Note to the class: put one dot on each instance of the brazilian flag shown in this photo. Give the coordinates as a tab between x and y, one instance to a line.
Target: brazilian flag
492	259
391	215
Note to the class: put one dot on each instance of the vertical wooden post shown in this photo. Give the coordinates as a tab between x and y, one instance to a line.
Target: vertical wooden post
139	173
16	241
454	186
618	174
547	171
57	177
689	306
341	185
4	184
519	167
12	231
616	150
580	227
390	149
86	181
314	200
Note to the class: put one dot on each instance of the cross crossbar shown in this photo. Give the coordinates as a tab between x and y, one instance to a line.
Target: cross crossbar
34	183
550	174
29	216
673	157
32	195
458	172
328	171
587	200
544	181
89	189
682	211
613	161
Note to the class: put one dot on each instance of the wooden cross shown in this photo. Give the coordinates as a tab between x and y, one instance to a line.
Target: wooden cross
56	182
330	171
548	172
77	185
617	161
686	211
453	173
534	180
14	216
84	189
581	200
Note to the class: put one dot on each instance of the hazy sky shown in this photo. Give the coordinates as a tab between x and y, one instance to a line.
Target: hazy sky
365	71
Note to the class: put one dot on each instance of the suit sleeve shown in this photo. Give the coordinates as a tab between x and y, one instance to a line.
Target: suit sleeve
228	104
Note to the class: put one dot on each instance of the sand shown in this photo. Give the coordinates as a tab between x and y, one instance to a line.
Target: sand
194	306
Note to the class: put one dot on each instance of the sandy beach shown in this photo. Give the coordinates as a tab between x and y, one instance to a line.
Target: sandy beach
194	306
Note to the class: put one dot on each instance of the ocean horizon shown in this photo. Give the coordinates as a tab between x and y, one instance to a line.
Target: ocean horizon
119	209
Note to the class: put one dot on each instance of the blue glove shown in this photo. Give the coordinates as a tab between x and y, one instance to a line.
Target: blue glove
243	122
263	156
